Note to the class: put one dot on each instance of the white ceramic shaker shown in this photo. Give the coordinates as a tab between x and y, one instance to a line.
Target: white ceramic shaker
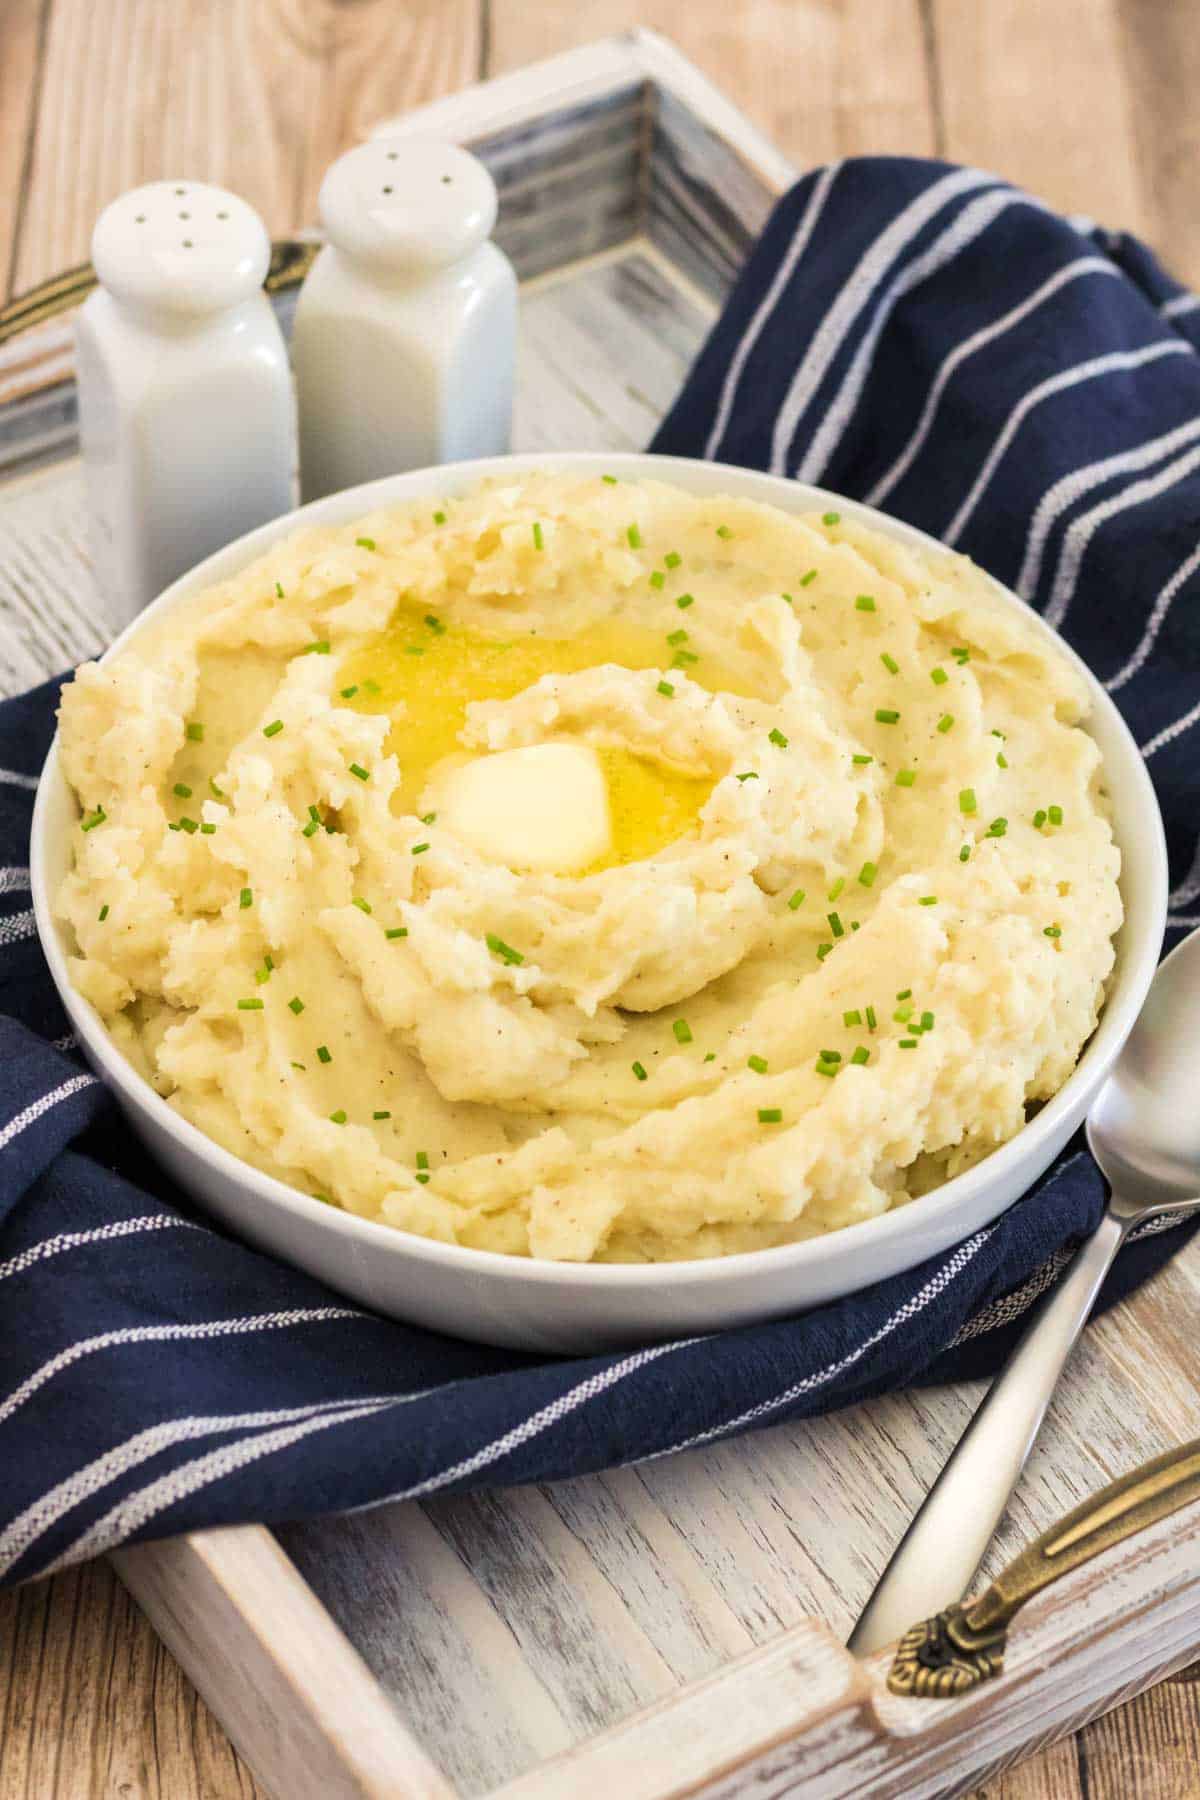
186	413
405	336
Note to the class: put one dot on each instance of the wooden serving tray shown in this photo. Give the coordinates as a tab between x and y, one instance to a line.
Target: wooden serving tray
670	1628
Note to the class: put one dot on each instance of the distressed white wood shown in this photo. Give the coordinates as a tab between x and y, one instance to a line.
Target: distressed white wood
510	1628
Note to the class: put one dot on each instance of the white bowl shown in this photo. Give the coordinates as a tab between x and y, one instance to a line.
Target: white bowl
570	1307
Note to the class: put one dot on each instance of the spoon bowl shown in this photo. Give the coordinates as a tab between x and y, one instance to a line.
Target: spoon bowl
1144	1125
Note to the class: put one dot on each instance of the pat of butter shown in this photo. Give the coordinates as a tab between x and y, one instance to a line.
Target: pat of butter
542	807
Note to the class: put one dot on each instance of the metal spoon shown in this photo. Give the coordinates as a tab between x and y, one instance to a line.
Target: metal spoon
1144	1131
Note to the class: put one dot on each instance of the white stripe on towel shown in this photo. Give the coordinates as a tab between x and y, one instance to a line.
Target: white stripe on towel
987	334
39	1107
74	1240
853	296
1169	733
1154	624
766	307
1055	384
1082	530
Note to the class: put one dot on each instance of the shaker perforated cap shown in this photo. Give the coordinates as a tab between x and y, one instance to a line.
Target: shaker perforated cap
180	247
407	203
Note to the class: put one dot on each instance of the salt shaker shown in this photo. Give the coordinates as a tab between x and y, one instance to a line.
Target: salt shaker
186	414
404	342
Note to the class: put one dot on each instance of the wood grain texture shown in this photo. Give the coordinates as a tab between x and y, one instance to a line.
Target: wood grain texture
666	1573
256	95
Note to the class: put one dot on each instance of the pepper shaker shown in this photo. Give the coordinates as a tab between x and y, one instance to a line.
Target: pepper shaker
404	342
186	414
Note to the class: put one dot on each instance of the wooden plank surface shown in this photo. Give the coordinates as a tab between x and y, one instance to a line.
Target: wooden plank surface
1091	104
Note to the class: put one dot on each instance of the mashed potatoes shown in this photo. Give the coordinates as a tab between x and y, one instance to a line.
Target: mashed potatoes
849	916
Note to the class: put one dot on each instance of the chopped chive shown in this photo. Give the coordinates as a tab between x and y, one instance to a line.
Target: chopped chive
946	723
504	951
102	914
907	1043
1052	931
414	649
757	1063
788	598
682	1030
419	849
928	900
870	1014
539	542
362	905
889	663
860	1055
428	818
435	624
776	737
807	580
770	1115
796	901
823	951
1056	814
610	479
886	715
189	825
664	687
672	559
1001	760
964	854
837	887
92	819
313	826
251	1005
246	898
678	636
278	590
938	677
904	1013
723	531
864	603
682	657
339	1117
320	647
748	775
904	994
365	543
422	1159
825	1068
639	1071
996	732
860	762
422	1177
268	962
181	788
853	1017
324	1054
381	1115
396	931
658	579
830	1056
685	600
357	770
371	687
961	655
711	1056
831	518
303	1067
835	925
273	729
348	693
262	975
439	518
172	826
926	1021
867	874
967	802
997	828
1039	818
296	1005
195	731
217	793
635	537
905	777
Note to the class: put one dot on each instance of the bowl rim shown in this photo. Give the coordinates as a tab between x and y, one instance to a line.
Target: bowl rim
1129	982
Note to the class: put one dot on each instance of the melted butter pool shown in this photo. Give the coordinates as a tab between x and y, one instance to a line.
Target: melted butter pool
437	668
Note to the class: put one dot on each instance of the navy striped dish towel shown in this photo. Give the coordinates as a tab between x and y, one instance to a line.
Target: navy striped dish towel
923	337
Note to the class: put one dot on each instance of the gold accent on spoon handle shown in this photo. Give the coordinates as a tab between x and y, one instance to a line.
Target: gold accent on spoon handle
291	259
964	1645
